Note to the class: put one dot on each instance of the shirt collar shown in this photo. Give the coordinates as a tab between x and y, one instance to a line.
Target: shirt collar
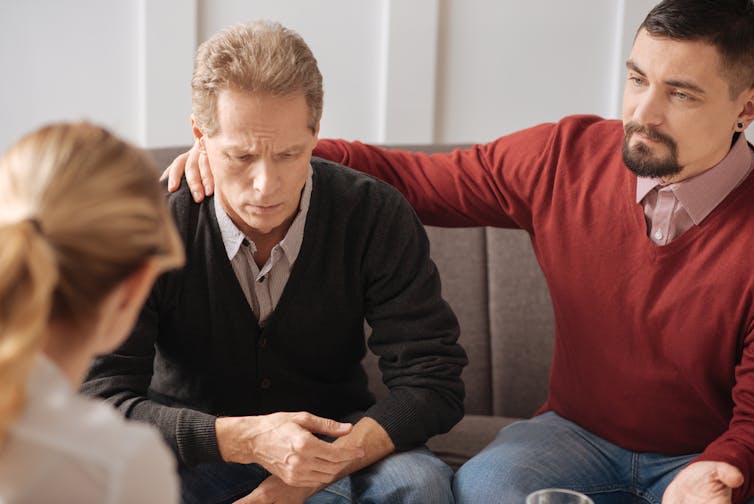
700	194
644	185
233	237
291	242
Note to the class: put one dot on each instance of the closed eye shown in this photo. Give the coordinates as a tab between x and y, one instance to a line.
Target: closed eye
286	156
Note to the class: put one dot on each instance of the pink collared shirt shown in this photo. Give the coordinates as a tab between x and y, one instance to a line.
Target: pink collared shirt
673	208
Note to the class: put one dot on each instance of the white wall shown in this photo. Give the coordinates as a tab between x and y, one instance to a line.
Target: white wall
346	37
67	60
520	63
395	70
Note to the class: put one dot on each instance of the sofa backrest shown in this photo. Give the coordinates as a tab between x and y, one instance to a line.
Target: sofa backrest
492	281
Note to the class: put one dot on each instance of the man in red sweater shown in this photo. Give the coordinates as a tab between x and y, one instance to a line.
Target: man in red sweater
643	231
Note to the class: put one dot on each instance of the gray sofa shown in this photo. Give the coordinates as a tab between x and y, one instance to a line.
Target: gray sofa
492	280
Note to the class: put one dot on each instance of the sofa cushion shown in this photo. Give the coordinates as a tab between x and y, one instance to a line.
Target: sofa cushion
521	324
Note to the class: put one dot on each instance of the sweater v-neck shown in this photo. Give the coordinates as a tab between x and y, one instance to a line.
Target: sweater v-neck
294	279
661	252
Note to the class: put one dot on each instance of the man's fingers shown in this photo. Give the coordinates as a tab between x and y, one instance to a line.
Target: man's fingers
193	178
729	475
166	172
308	479
205	173
330	468
335	454
248	499
321	470
274	489
174	171
325	426
328	427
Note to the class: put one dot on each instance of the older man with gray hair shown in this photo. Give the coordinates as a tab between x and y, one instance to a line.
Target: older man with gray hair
249	358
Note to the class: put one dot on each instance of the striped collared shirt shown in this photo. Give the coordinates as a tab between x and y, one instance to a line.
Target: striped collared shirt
264	286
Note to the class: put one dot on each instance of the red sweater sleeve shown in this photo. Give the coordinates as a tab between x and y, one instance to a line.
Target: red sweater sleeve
485	185
736	445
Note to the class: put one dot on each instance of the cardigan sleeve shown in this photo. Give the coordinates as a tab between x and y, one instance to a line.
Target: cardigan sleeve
123	378
414	331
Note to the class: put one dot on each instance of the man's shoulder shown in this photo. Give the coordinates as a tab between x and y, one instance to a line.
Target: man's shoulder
184	209
590	125
344	194
587	137
181	197
589	134
347	185
342	182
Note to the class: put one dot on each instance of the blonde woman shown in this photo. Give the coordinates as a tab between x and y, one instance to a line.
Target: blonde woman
84	232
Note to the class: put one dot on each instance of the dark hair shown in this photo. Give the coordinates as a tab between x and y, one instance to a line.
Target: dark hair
726	24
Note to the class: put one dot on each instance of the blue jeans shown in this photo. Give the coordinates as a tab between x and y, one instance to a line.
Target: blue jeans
550	451
414	476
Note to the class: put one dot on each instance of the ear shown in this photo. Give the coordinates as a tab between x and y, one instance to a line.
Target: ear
747	113
197	132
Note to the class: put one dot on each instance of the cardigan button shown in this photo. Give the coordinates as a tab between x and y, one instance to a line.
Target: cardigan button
265	384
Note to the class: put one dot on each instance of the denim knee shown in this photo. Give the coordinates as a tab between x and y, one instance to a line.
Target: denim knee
487	478
416	476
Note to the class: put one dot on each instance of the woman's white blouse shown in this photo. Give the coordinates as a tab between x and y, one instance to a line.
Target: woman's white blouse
65	447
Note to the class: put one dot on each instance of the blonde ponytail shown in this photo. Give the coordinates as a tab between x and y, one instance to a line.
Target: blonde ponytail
80	210
27	278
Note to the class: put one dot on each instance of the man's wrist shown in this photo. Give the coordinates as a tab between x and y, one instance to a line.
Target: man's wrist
230	442
222	431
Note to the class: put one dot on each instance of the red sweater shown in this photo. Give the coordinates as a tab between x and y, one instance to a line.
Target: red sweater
653	345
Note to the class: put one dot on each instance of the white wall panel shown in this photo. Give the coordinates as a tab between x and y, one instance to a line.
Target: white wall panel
395	70
631	15
346	37
167	38
67	61
508	65
409	73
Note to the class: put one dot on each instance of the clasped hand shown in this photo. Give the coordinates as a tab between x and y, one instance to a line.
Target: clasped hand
285	445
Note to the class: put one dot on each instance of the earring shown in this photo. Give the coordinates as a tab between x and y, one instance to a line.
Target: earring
740	126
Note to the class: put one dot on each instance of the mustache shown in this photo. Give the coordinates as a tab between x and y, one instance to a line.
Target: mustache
633	127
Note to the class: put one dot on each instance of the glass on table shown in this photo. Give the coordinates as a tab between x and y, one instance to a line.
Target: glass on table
557	496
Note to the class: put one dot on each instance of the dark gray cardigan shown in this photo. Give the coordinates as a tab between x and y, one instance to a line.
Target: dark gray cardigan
197	351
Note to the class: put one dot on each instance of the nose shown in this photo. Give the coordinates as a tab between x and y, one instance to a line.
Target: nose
264	181
649	108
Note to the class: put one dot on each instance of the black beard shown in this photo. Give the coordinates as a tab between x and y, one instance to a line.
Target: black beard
639	159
